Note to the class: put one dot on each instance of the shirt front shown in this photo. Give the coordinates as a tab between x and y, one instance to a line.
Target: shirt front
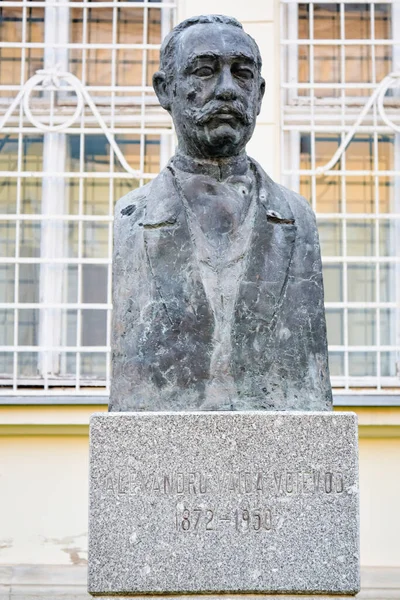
220	204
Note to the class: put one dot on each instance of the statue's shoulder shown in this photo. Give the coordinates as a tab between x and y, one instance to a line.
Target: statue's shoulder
300	207
130	210
286	203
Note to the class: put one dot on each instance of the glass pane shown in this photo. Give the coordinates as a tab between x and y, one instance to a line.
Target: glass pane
97	153
358	66
389	237
94	327
329	194
326	69
93	365
361	283
130	26
389	364
362	329
357	21
387	274
130	146
360	237
360	194
30	237
386	195
123	186
334	323
69	323
72	283
330	237
11	24
7	282
68	364
6	365
389	319
28	365
129	69
325	148
326	21
304	68
6	327
7	238
96	197
95	240
29	283
336	364
28	326
333	282
360	153
383	60
303	21
99	24
362	364
94	284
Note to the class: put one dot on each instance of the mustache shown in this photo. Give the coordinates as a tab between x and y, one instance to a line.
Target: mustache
202	115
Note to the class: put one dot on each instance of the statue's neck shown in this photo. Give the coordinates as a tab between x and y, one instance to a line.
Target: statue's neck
218	168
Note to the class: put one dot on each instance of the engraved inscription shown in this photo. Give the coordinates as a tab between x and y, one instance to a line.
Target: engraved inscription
208	518
131	482
254	497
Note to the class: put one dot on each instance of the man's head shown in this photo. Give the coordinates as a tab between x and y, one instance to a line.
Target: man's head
210	82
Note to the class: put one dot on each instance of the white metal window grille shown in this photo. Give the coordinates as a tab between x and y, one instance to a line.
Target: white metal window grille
81	133
341	150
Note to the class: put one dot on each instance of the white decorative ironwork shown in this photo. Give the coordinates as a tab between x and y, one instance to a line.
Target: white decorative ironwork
378	96
51	80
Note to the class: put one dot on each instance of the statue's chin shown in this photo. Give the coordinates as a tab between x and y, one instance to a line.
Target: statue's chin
223	141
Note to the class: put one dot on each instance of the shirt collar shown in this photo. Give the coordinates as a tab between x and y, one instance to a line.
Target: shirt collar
218	169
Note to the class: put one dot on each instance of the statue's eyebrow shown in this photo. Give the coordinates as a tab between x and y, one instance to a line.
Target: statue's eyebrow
192	58
235	55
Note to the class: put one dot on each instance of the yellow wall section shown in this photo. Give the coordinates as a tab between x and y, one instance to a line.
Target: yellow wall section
380	502
43	500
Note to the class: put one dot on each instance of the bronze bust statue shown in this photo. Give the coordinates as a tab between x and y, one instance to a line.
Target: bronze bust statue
218	294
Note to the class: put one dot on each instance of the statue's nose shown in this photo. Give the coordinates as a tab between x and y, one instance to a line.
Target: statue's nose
226	89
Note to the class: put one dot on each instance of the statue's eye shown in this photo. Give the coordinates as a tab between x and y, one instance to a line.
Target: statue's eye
243	72
204	71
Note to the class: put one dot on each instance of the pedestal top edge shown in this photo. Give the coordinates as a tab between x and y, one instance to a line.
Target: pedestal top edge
225	414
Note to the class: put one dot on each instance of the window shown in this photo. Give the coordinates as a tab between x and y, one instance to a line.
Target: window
58	188
335	56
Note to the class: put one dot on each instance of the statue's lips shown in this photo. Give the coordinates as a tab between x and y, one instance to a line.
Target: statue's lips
224	116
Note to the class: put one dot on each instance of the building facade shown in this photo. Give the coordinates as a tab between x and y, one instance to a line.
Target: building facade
80	126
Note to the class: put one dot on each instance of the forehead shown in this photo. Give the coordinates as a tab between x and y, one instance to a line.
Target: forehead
214	38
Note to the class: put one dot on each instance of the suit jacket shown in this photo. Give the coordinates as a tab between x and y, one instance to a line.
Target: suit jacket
163	324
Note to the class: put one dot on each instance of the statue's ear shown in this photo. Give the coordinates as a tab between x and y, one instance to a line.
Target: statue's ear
261	94
161	88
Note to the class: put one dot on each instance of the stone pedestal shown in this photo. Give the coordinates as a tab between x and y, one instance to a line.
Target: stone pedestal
235	503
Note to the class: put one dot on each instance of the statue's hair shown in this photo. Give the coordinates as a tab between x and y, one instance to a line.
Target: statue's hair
168	47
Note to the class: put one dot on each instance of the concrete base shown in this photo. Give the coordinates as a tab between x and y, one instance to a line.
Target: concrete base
69	582
221	502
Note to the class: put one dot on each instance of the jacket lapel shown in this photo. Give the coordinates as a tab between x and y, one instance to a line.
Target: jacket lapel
264	282
171	257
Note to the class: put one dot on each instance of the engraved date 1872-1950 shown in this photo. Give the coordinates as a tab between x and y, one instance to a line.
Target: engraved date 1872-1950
208	518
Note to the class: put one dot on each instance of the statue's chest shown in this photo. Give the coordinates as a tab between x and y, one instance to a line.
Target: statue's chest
219	207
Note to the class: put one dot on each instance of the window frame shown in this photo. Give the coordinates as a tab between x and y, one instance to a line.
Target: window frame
337	115
52	306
